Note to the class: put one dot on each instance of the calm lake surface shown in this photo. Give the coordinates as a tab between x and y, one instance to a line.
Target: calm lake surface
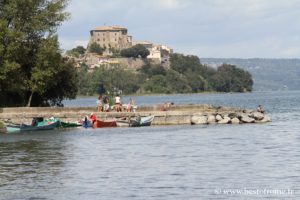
251	161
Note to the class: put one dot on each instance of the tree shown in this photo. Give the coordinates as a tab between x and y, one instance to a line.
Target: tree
77	52
96	48
30	58
152	70
135	52
177	82
157	84
229	78
182	63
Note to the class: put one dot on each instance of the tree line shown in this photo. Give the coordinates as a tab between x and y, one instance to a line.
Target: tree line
185	75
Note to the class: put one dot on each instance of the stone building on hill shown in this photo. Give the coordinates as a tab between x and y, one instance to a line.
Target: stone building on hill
111	38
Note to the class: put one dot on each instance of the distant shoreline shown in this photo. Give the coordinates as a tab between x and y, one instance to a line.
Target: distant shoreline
162	94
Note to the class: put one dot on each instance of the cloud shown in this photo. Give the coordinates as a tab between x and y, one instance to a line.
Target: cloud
170	4
214	28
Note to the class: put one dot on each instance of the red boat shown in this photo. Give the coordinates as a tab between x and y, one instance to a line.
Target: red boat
105	123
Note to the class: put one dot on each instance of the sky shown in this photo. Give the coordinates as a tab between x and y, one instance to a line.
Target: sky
206	28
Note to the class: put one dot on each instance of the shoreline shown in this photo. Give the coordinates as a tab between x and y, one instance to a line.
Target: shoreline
164	94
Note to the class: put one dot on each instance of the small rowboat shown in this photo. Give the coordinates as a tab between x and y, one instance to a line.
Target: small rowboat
23	127
136	122
104	123
69	124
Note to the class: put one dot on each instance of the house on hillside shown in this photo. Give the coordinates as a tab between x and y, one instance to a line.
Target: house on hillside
159	53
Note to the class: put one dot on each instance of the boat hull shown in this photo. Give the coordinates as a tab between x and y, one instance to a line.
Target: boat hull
105	123
69	124
139	121
24	127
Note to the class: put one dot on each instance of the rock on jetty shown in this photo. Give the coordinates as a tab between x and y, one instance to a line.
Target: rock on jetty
175	115
230	118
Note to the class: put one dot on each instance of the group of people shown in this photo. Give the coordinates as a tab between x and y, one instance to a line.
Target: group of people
103	104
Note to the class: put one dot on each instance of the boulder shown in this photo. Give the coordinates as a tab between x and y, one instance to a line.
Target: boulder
199	119
226	120
257	115
246	119
219	117
211	119
264	120
233	115
235	120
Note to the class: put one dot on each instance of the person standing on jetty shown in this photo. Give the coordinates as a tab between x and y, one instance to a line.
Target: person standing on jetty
105	104
99	104
130	105
118	103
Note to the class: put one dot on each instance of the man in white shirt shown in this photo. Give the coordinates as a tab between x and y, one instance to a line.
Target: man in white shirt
118	103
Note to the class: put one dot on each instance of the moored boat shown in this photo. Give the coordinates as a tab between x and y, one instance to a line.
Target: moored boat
142	121
123	123
69	124
104	123
23	127
136	122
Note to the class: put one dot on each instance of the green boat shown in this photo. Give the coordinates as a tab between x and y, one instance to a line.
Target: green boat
69	124
12	128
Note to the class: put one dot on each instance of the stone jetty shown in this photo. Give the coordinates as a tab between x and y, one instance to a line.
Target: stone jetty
175	115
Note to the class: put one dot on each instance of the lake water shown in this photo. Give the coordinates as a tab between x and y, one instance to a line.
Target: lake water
251	161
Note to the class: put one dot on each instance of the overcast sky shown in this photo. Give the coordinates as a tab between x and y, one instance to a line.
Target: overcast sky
206	28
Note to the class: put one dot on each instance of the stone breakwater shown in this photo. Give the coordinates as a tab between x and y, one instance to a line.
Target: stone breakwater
176	115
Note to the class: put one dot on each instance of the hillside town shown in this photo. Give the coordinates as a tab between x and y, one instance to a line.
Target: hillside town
114	39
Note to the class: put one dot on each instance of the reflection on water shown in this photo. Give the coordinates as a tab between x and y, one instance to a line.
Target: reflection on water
163	162
27	162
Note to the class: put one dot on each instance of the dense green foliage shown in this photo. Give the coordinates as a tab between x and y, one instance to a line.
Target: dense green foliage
96	48
77	52
108	80
185	75
229	78
135	52
32	70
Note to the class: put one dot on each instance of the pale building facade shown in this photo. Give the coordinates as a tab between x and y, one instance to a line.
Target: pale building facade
157	52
